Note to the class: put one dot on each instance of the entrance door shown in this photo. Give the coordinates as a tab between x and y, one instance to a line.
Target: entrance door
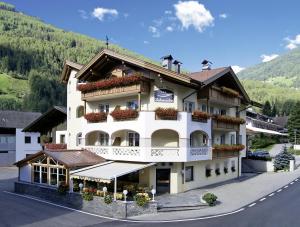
163	181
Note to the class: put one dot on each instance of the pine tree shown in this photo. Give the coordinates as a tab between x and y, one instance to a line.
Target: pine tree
274	111
267	110
294	124
282	160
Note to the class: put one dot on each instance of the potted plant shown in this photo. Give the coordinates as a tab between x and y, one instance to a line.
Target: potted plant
95	117
166	113
122	115
200	116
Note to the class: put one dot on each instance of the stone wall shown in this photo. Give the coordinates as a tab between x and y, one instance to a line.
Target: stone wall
118	209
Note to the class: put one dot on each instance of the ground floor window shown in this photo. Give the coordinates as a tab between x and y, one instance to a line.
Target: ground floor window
44	178
189	173
62	175
36	174
53	176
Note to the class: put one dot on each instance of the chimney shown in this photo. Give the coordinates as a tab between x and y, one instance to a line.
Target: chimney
177	64
206	65
167	61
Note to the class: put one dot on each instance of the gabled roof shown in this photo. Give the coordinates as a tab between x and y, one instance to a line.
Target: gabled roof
68	66
209	76
69	158
16	119
47	121
104	56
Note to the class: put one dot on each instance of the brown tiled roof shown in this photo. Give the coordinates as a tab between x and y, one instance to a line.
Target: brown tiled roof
70	158
206	74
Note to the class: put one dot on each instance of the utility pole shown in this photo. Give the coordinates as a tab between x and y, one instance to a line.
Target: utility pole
295	133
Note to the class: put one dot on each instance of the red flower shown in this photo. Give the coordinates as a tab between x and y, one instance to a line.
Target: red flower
199	115
229	119
166	113
95	117
120	115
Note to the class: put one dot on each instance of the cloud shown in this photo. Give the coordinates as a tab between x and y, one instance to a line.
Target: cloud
155	32
169	28
100	13
236	68
168	12
146	42
192	13
292	43
266	58
223	15
83	14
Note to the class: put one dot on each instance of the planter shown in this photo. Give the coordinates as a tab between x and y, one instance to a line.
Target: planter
229	119
200	116
95	117
123	115
110	83
166	113
225	147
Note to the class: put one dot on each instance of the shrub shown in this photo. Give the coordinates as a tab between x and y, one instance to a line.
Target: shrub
210	199
208	172
261	141
95	117
76	187
253	157
166	113
225	170
141	199
100	193
217	171
87	196
282	160
63	188
119	196
121	115
229	119
108	199
200	116
110	83
226	147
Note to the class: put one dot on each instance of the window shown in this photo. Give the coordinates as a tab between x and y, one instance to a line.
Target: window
189	106
27	139
104	108
222	137
79	139
232	139
44	175
133	139
222	112
211	110
62	138
61	175
79	111
189	173
3	152
53	176
133	105
39	139
203	107
103	139
36	174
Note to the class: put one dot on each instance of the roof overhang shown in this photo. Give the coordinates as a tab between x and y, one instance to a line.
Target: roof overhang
105	172
255	130
68	67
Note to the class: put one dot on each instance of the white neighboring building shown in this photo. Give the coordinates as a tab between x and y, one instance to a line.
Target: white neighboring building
118	119
15	144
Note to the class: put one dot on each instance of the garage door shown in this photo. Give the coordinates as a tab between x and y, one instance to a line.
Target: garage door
7	158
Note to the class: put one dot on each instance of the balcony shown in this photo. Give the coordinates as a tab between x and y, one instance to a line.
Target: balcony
217	125
227	123
113	88
220	96
152	154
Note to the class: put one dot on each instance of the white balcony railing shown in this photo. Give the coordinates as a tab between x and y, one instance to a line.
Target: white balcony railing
152	154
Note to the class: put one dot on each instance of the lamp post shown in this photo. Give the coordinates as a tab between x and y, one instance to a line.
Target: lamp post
125	192
104	189
153	191
295	133
80	187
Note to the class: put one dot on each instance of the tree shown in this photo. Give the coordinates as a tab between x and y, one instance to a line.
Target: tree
267	109
274	111
282	160
294	123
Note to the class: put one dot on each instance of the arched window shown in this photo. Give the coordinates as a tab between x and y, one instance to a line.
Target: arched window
79	111
79	139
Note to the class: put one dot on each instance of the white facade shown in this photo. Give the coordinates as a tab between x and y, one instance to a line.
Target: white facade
26	146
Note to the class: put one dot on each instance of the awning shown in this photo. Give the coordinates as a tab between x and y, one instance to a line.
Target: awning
260	130
105	172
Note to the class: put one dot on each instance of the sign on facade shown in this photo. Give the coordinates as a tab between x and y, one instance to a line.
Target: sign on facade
163	95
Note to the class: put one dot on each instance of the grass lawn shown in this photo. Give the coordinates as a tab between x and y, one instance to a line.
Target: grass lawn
294	152
12	88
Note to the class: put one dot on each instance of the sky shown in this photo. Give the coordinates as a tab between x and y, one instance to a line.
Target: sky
240	33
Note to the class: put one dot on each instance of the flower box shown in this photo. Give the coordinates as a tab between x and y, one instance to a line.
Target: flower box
95	117
200	116
166	113
110	83
55	146
123	115
230	92
226	147
229	119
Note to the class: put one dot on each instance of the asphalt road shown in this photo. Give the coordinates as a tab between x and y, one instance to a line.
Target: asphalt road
281	209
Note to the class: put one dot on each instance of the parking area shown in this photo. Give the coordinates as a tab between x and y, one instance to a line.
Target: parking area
8	175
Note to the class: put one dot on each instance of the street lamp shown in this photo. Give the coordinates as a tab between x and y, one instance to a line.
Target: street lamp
125	192
153	191
104	189
80	186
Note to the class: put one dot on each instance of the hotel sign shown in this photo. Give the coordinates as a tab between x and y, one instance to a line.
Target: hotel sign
163	95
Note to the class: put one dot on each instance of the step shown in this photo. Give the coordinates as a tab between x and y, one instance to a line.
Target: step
181	207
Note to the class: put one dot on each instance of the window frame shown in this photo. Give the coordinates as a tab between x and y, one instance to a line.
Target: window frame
27	139
189	168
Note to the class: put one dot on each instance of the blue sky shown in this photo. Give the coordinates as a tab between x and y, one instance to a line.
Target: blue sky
227	32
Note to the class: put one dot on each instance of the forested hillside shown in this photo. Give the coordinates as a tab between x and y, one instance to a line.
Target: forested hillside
34	52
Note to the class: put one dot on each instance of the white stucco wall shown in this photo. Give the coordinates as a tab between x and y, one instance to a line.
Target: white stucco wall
23	148
25	173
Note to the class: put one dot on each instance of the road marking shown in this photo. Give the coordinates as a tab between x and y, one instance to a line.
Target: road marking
127	220
251	205
286	186
279	190
292	183
271	194
262	199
